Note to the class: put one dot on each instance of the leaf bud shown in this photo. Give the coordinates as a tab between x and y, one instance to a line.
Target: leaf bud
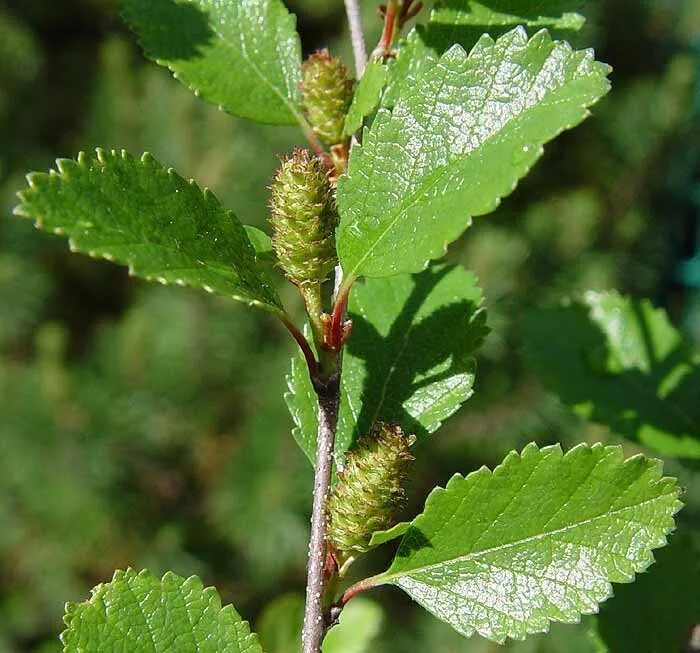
303	218
327	93
369	494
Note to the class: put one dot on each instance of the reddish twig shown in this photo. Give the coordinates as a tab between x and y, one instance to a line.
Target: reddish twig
352	591
337	324
408	11
305	348
315	143
396	14
387	38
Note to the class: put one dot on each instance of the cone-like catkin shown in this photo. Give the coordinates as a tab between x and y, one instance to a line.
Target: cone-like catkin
327	93
370	491
303	218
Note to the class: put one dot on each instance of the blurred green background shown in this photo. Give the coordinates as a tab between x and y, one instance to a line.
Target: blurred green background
145	426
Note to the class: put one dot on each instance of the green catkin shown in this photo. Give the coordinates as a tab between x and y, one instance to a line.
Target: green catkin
326	95
303	218
370	490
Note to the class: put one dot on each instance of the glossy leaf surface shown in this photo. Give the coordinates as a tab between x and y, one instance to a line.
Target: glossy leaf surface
137	213
539	539
456	141
140	613
620	362
409	360
243	55
464	21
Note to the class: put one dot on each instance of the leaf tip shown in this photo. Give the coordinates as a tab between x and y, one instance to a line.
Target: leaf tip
32	180
19	210
63	166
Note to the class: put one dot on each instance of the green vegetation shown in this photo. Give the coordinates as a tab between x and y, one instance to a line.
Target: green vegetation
143	426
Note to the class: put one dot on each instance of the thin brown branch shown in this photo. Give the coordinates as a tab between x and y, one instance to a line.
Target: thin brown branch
352	9
316	621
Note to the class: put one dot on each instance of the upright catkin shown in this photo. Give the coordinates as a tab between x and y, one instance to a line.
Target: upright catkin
303	217
370	491
327	91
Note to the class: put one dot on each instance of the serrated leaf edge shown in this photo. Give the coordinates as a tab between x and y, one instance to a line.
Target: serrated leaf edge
210	592
63	171
293	108
384	113
470	361
654	466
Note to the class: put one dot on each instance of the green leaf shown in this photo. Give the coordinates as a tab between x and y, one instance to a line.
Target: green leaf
142	613
367	96
281	621
409	360
455	143
243	55
139	214
659	611
620	362
539	539
453	21
464	22
279	625
261	242
360	623
382	537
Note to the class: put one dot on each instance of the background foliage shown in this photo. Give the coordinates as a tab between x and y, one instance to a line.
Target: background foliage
145	426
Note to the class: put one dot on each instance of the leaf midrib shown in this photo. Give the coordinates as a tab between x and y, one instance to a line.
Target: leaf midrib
142	612
475	555
434	178
282	96
216	266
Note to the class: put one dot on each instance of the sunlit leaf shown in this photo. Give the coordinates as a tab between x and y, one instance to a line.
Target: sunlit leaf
539	539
